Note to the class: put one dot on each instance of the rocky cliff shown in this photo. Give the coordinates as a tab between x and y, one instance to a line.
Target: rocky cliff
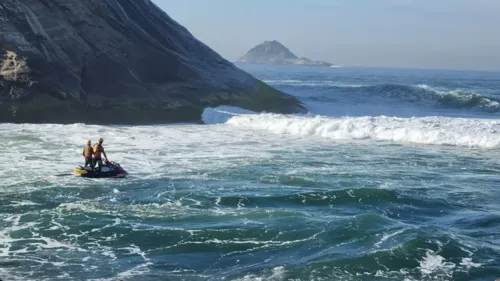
114	61
273	52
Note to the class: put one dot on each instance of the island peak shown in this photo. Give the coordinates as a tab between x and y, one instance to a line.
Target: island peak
273	52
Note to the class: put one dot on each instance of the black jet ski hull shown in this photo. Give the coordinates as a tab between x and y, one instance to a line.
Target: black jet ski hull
108	170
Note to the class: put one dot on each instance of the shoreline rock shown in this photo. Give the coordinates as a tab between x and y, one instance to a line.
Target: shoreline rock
115	62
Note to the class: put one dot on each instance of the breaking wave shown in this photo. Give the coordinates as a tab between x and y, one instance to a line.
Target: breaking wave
426	94
434	130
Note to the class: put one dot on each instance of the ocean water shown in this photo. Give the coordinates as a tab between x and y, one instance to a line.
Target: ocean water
392	175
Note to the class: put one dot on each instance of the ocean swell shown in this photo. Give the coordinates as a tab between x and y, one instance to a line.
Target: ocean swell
420	94
424	94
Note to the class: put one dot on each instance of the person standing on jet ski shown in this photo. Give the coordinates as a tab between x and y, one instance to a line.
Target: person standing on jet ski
88	152
98	149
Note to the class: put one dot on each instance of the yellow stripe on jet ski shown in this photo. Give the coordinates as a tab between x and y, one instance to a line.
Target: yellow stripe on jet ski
77	171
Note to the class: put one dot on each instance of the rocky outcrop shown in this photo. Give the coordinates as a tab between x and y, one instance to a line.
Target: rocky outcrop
306	61
268	52
273	52
115	61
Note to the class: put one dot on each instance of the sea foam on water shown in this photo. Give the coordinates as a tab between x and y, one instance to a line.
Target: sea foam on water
434	130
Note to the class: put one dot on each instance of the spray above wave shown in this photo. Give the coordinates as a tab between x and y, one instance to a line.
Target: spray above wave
422	130
408	93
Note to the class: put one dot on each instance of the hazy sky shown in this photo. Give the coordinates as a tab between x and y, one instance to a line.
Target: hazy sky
456	34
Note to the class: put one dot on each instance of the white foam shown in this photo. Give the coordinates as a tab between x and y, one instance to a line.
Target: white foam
423	130
277	273
135	250
425	87
195	151
146	152
387	236
433	263
468	263
23	203
188	151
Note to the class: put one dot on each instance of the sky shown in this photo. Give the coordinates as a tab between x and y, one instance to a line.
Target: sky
439	34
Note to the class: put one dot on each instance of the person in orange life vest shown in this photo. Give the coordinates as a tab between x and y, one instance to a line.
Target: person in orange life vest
98	150
87	154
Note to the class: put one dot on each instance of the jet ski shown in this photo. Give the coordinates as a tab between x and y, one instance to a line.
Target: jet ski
108	170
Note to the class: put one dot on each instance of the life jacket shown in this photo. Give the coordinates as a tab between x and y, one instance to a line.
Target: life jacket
97	150
87	151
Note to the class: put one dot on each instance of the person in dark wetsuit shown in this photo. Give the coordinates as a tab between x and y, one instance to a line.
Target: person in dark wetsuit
98	150
87	153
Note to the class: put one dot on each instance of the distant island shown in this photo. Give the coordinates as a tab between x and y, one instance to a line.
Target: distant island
273	52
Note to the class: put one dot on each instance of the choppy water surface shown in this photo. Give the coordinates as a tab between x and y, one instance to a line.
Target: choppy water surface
393	175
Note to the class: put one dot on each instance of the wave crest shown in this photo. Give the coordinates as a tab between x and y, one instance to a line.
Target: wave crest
422	130
424	93
416	94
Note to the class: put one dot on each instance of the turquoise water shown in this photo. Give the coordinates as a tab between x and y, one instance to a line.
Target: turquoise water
392	176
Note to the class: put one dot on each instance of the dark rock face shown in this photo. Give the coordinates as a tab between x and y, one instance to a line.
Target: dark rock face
115	61
273	52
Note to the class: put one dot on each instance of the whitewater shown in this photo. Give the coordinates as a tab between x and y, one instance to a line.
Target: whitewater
391	175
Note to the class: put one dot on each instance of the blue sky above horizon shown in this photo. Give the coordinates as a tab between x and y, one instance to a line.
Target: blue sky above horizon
443	34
